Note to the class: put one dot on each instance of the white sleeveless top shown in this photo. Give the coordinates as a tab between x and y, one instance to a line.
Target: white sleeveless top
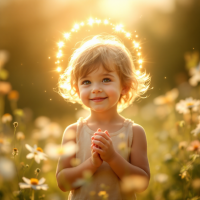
104	174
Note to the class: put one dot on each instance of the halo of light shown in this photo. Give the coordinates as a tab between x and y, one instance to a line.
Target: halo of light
116	27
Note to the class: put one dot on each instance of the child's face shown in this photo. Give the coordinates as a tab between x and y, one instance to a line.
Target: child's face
102	84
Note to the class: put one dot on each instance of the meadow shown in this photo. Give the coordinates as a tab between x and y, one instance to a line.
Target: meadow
30	148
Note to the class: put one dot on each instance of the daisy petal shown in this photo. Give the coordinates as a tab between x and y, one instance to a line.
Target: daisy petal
44	187
29	147
24	185
41	181
26	180
37	159
35	187
30	155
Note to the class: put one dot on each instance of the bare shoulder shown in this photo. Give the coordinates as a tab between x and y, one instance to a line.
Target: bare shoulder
138	128
138	156
139	133
69	133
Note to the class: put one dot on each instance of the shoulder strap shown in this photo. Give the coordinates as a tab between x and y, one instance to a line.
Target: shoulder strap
80	123
128	123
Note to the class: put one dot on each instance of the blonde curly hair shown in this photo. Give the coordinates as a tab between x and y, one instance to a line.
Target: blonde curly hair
108	51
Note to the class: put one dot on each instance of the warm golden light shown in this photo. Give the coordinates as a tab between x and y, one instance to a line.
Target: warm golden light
67	35
140	61
76	26
59	54
119	27
62	76
98	21
59	69
60	44
136	45
128	35
90	21
106	21
93	21
138	72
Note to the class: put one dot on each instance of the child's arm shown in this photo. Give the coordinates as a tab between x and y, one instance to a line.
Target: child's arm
66	175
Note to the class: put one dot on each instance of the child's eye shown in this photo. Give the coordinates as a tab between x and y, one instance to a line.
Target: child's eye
107	80
86	82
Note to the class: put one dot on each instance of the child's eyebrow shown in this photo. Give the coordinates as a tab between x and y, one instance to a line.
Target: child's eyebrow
101	75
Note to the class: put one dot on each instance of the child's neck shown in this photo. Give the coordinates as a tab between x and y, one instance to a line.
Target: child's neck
104	118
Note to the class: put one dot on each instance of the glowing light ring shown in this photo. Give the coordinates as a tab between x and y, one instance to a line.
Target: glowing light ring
90	22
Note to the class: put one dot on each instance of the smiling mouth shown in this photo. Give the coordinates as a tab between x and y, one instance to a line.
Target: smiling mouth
99	98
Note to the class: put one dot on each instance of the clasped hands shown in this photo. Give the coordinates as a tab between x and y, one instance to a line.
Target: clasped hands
102	144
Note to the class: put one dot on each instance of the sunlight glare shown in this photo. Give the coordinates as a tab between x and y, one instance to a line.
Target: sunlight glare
59	54
119	27
138	72
140	61
76	26
106	21
136	45
128	35
61	44
90	21
59	69
67	35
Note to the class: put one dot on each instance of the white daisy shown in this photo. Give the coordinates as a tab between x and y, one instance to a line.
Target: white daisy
42	121
7	118
169	97
33	183
36	152
54	151
51	129
7	168
161	178
196	131
184	106
195	73
5	145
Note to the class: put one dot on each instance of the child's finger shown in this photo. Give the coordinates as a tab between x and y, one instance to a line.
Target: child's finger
106	132
99	130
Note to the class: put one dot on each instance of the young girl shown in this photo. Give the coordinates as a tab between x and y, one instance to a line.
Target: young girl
101	76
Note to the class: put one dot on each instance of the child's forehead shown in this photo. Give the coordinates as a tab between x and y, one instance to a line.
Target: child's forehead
98	69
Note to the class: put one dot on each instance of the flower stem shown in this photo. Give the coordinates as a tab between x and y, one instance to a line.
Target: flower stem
32	197
1	111
14	135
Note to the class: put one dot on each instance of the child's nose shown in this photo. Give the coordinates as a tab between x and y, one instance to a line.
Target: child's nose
96	90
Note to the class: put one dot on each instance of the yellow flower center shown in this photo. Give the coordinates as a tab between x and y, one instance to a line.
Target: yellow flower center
196	147
102	193
60	151
15	149
190	104
34	181
39	149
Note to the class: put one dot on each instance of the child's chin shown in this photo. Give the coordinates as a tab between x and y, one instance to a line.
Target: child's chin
98	109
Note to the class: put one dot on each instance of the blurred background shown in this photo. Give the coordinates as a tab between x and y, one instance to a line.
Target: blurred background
30	31
168	32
